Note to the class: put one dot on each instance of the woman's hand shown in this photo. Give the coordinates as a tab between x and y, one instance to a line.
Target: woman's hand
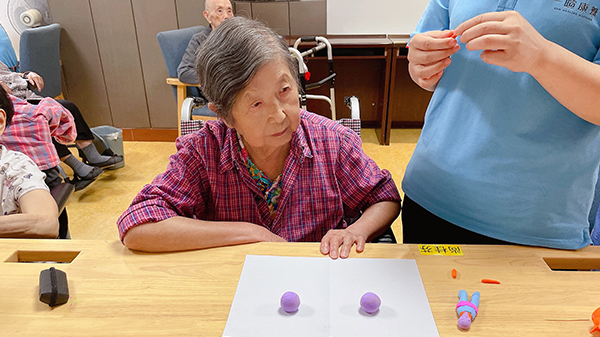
36	80
506	38
428	55
339	242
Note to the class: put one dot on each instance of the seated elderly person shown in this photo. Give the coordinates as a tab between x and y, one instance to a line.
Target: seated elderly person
28	209
33	130
266	170
215	12
21	86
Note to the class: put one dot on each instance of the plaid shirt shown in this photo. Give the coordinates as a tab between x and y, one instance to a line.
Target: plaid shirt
326	178
33	127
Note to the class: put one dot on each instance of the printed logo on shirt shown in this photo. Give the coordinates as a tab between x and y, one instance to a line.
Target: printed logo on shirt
580	8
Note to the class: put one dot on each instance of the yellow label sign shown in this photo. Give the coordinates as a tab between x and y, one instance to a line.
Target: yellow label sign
440	250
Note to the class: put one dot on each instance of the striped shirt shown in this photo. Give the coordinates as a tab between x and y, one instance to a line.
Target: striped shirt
33	127
326	178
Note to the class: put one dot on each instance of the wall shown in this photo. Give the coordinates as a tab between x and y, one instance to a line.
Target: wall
374	16
306	17
113	66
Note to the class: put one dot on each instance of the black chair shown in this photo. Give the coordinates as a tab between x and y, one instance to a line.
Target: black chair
61	194
386	237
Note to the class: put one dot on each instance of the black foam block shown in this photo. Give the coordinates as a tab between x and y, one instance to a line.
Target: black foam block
54	289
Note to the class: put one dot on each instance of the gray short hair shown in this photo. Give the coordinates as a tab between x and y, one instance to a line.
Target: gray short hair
230	57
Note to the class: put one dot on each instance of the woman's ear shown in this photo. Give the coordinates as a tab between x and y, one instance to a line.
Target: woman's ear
2	121
212	107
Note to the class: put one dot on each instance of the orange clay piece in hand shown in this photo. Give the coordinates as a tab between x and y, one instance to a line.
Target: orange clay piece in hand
596	320
487	280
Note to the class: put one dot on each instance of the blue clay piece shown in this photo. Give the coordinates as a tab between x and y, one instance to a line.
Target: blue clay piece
370	302
290	301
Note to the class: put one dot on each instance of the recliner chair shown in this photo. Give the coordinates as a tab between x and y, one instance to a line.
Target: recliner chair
39	51
173	44
61	194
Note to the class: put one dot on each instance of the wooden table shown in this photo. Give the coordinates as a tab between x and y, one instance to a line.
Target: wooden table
117	292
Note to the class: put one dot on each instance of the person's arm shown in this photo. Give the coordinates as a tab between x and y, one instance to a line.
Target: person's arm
186	71
507	39
38	217
373	222
181	233
60	121
363	186
169	213
6	88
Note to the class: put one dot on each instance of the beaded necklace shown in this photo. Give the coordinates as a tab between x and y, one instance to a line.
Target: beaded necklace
271	189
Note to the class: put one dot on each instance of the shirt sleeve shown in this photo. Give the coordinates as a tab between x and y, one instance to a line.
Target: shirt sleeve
60	120
435	17
362	182
179	191
186	72
26	176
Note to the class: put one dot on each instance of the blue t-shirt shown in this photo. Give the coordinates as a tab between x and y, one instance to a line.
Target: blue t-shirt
498	155
7	52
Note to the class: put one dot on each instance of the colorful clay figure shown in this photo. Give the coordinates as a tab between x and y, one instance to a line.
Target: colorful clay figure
290	301
596	320
467	311
370	303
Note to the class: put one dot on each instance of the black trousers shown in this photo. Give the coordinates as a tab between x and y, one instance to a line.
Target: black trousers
83	130
421	226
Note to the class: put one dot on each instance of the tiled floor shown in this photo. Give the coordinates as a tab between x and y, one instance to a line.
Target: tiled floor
93	211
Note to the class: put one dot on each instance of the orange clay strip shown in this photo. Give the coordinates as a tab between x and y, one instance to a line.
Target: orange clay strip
454	36
453	273
486	280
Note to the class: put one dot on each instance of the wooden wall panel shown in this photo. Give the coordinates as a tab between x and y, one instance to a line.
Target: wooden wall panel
152	17
408	101
308	18
243	9
81	60
273	14
119	52
189	13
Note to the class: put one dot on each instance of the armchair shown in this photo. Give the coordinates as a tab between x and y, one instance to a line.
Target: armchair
39	50
173	44
61	194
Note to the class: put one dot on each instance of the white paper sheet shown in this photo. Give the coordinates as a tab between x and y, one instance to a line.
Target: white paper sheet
330	292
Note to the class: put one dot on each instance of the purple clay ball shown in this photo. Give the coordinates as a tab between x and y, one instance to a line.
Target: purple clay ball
370	302
290	301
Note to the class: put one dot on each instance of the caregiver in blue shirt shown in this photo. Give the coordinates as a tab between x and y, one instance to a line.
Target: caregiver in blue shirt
510	148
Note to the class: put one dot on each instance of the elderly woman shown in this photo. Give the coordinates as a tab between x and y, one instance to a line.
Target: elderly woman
265	171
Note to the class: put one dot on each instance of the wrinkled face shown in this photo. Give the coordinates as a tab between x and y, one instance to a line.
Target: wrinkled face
217	12
267	112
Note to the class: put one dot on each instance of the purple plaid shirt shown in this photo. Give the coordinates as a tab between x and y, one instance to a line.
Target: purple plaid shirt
33	127
326	178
